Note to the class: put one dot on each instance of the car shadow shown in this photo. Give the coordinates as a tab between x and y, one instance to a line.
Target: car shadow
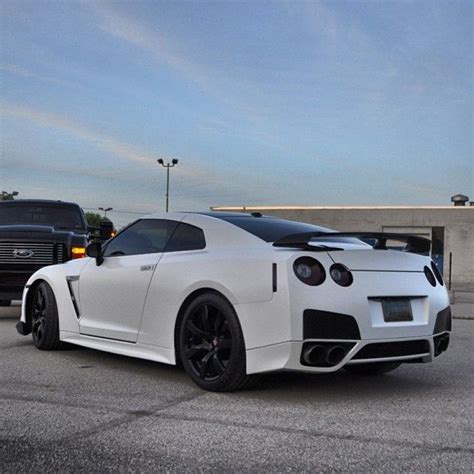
340	385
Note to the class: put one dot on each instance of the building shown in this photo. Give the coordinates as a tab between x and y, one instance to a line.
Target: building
451	229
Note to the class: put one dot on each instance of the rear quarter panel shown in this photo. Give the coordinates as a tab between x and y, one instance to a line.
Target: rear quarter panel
243	276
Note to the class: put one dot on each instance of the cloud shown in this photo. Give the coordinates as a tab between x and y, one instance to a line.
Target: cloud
17	70
213	81
107	143
23	72
196	181
150	40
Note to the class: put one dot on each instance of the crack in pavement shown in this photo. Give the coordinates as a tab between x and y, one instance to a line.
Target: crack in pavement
132	415
60	403
17	344
317	434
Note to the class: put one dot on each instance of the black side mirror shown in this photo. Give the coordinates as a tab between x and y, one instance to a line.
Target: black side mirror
94	250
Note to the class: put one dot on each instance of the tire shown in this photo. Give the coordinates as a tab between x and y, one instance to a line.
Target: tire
5	302
44	319
211	345
375	368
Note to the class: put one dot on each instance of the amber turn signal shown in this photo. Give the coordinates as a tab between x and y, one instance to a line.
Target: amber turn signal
78	252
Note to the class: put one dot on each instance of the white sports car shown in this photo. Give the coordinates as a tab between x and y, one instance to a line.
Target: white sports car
231	295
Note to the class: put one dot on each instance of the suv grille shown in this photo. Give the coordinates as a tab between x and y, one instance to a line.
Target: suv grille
43	253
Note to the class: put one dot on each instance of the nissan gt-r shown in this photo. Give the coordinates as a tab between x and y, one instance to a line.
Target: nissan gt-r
231	295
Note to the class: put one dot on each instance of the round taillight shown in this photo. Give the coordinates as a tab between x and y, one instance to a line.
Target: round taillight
429	276
341	274
437	273
309	271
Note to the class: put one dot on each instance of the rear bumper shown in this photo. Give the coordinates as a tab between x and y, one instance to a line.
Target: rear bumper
289	355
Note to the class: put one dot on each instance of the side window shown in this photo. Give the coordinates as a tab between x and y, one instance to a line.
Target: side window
144	236
186	237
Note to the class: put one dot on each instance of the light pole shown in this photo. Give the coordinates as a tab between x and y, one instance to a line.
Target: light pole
168	165
106	209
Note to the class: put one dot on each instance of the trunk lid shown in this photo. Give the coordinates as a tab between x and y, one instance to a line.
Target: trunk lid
379	260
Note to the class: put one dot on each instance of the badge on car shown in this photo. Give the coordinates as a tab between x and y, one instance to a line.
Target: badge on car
23	253
145	268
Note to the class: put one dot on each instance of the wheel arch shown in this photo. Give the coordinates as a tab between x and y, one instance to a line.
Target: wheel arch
29	301
184	306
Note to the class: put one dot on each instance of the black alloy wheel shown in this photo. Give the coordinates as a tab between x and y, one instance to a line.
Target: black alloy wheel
44	318
211	344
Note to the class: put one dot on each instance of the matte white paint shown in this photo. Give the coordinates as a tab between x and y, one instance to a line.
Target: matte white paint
126	310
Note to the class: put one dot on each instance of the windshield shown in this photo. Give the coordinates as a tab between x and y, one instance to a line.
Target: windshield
271	229
60	216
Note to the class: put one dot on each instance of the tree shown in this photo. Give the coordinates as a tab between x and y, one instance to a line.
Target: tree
94	219
6	196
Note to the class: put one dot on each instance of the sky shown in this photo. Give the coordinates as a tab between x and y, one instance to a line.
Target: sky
263	102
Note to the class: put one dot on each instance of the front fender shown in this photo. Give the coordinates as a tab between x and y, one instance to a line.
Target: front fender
55	277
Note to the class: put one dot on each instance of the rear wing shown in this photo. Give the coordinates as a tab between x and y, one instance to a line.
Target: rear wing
414	244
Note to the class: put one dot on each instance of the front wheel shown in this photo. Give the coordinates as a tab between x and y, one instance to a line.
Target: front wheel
375	368
211	345
44	319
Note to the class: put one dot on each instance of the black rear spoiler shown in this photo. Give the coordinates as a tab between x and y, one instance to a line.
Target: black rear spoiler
414	244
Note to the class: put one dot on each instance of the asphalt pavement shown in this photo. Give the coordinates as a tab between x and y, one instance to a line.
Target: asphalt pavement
84	410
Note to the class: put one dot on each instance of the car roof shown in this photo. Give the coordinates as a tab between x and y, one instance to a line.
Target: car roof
179	215
222	214
38	201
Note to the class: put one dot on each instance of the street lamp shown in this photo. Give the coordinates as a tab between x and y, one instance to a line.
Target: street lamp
106	209
168	165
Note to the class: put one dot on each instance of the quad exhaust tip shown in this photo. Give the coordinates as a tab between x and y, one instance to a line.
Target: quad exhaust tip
324	354
441	344
314	355
335	354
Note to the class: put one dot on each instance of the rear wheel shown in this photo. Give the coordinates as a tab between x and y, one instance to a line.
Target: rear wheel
5	302
211	345
376	368
44	318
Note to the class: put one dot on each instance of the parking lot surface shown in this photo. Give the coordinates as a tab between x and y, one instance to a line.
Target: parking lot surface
84	410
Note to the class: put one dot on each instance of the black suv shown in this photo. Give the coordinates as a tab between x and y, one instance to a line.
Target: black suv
33	234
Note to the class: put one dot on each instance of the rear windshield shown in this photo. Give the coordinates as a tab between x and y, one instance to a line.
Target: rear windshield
60	216
271	229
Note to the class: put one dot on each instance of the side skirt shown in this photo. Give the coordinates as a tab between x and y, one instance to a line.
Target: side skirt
164	355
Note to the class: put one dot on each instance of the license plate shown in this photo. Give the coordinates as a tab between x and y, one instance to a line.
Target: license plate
396	309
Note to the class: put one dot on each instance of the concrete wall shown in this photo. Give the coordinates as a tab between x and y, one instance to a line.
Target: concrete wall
457	221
